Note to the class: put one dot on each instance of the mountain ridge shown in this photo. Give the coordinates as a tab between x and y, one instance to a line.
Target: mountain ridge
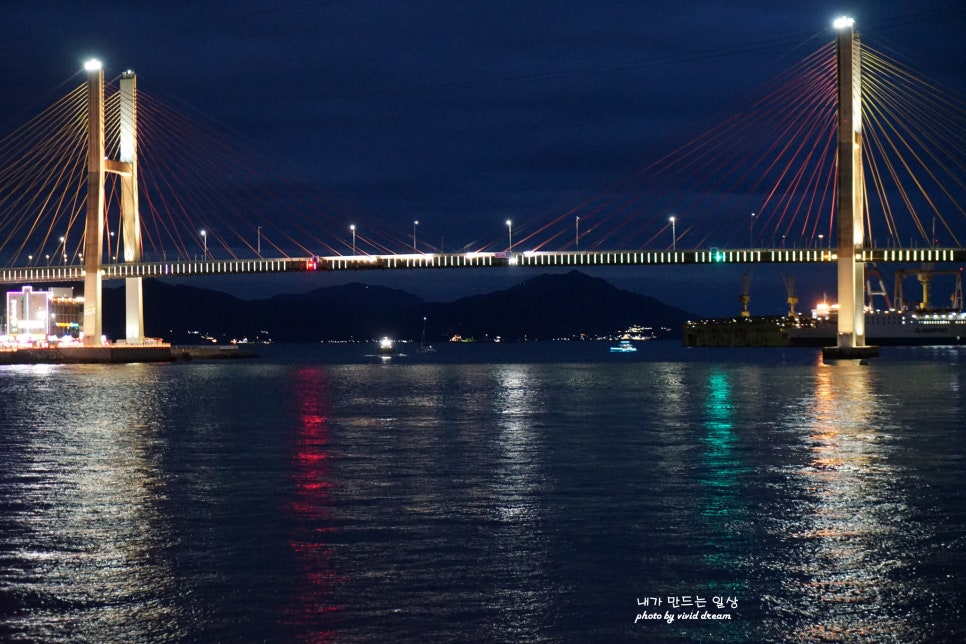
546	306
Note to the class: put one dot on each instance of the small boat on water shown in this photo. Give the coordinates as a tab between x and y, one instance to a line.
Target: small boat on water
386	347
624	346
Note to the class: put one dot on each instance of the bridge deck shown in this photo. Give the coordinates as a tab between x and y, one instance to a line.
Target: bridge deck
534	259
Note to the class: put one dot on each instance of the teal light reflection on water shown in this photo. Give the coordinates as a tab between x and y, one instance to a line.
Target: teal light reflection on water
724	511
721	469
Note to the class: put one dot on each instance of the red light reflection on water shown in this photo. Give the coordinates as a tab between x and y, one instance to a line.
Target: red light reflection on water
312	616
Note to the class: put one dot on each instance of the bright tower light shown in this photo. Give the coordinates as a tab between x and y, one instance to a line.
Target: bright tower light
92	65
843	22
509	228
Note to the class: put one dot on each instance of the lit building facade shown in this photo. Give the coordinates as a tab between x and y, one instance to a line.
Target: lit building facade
40	314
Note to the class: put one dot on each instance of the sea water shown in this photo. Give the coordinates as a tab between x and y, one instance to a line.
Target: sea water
533	492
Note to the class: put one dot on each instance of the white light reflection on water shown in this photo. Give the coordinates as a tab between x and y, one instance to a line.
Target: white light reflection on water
438	483
847	525
87	564
518	497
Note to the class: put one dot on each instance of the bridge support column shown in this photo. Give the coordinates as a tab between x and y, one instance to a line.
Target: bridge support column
94	225
851	272
130	215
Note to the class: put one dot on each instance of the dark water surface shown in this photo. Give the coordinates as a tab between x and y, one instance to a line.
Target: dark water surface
489	493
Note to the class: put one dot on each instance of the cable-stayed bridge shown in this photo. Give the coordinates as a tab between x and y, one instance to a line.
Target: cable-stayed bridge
774	184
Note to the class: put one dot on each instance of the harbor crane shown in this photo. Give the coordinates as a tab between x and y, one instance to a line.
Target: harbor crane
792	297
870	291
745	294
925	275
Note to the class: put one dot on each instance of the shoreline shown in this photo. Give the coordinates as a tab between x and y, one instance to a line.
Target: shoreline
121	354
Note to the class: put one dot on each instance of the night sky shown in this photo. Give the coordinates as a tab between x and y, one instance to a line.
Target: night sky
451	112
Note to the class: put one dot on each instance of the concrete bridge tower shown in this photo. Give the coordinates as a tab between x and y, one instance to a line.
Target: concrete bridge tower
94	230
126	168
850	182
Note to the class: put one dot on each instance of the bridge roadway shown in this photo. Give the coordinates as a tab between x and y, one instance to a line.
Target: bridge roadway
533	259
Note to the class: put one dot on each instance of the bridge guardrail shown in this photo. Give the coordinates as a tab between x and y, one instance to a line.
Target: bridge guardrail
710	256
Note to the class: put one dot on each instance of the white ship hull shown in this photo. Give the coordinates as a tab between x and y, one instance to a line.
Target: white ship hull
887	328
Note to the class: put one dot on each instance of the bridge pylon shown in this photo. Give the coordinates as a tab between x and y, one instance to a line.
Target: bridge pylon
126	168
850	191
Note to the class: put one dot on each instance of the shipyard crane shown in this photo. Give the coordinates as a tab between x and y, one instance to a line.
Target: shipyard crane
956	299
925	279
870	291
745	294
925	275
792	296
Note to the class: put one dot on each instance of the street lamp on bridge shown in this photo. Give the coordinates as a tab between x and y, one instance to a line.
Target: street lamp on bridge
204	239
258	242
751	237
415	223
352	227
577	233
674	234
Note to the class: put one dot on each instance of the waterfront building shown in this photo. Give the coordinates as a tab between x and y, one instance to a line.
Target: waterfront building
38	315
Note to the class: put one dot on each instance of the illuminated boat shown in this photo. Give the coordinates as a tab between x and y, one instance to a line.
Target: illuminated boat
624	346
386	347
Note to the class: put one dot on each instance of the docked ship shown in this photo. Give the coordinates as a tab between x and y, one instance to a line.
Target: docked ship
896	326
758	331
899	325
